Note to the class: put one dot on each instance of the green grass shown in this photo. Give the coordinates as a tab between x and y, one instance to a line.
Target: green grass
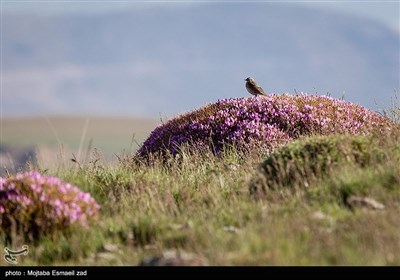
287	208
204	205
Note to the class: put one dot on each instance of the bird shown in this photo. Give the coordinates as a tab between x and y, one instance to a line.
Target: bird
253	88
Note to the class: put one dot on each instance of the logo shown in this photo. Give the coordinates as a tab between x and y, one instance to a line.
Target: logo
9	256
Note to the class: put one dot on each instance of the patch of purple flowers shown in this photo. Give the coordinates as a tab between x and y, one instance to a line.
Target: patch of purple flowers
262	122
36	203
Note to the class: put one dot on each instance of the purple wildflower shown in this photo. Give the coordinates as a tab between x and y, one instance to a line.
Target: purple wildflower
39	203
262	122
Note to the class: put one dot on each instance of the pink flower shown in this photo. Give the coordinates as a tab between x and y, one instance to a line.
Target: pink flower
32	196
241	121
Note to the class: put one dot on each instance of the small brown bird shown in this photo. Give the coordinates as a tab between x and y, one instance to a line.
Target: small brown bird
253	88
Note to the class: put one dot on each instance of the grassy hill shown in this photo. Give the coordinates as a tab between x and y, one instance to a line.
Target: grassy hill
319	200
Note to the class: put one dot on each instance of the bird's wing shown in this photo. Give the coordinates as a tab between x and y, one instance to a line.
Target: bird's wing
260	89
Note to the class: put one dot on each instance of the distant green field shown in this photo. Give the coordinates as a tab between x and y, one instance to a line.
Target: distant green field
110	135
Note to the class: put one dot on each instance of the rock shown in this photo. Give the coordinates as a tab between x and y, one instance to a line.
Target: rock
179	227
112	248
232	166
107	256
318	215
326	223
364	202
108	253
231	229
150	247
173	258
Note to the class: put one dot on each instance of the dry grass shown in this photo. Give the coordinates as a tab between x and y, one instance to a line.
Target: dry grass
202	204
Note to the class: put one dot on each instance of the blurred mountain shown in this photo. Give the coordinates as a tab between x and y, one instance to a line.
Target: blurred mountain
167	59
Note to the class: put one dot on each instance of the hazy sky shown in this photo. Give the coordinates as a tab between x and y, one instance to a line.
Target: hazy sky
387	12
77	59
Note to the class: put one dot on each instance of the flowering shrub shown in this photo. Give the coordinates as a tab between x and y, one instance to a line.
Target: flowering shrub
263	122
33	203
